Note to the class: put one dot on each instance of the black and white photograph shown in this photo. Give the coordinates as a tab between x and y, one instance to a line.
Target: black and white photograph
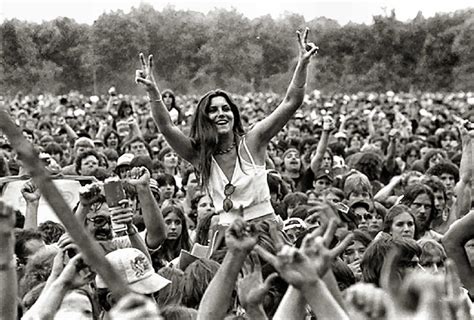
236	160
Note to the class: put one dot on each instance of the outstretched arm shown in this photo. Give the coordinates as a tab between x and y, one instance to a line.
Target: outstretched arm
177	140
263	131
328	125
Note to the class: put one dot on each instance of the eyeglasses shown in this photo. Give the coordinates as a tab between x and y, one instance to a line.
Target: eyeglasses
366	216
229	189
99	221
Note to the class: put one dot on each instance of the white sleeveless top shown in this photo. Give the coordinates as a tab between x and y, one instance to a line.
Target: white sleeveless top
251	189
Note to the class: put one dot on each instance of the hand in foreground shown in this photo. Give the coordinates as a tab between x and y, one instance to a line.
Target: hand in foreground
90	193
122	214
251	288
135	306
367	299
30	192
75	273
241	236
307	49
305	266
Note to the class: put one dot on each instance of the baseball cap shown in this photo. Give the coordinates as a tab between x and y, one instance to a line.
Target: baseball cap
323	173
135	268
340	135
360	203
125	159
292	223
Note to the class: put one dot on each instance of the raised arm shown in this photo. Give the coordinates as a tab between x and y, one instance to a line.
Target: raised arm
177	140
263	131
154	222
462	204
328	126
32	197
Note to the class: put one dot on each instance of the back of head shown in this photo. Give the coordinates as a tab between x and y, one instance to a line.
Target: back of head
171	294
197	277
174	312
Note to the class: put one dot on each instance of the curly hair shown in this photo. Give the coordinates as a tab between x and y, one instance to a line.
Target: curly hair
197	277
51	231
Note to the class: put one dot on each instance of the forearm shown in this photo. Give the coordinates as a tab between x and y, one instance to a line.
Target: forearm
8	277
331	283
217	298
386	191
48	302
321	149
154	223
292	306
370	126
296	90
31	215
70	132
136	240
323	304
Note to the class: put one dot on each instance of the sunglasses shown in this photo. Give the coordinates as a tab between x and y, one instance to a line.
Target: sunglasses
229	189
366	216
99	221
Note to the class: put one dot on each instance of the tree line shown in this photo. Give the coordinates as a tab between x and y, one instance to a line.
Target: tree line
195	52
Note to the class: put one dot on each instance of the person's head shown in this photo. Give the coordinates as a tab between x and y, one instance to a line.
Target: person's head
78	304
82	144
410	178
86	162
28	134
293	200
169	158
204	205
172	293
175	222
370	164
420	199
295	227
51	231
112	158
136	270
376	253
215	114
98	220
125	110
411	154
356	248
55	151
167	185
176	312
27	243
400	222
447	140
432	256
123	164
333	195
361	210
291	160
37	269
323	179
439	192
433	157
448	173
197	277
169	99
112	139
357	186
190	183
138	147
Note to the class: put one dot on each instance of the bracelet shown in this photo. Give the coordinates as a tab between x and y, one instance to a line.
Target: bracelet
7	266
132	233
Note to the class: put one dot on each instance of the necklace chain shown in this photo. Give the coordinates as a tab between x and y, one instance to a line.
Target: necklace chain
226	150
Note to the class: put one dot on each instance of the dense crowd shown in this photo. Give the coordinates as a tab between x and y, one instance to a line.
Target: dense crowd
372	194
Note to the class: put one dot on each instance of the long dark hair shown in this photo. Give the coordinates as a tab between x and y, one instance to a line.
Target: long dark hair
204	133
171	249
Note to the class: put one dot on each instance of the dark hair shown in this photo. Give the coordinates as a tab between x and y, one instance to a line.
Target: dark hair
51	231
444	134
174	312
435	183
408	150
343	274
128	144
374	257
164	179
444	167
204	135
142	161
37	269
197	277
430	154
171	249
84	154
4	170
394	212
413	191
369	164
172	293
123	106
53	148
108	134
22	236
111	154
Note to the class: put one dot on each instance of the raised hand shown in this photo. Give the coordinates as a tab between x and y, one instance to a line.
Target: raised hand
307	49
138	177
145	75
240	236
122	214
7	218
251	288
367	299
90	193
30	192
328	123
76	273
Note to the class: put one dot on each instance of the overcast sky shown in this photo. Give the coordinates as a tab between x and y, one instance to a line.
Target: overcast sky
86	11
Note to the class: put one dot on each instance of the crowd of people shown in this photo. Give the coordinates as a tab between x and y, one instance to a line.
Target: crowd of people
255	206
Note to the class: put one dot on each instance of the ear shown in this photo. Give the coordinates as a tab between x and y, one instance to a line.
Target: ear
110	299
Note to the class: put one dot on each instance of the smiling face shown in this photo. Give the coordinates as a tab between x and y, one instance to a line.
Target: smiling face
170	160
221	115
292	161
98	222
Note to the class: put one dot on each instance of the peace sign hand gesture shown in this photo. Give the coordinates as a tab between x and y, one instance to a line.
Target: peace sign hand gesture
307	49
145	76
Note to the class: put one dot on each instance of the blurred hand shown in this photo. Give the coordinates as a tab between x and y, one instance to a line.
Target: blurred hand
135	306
251	289
138	177
240	236
7	218
90	193
76	273
30	192
367	299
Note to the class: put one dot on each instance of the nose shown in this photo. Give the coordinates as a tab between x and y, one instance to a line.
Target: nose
173	226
